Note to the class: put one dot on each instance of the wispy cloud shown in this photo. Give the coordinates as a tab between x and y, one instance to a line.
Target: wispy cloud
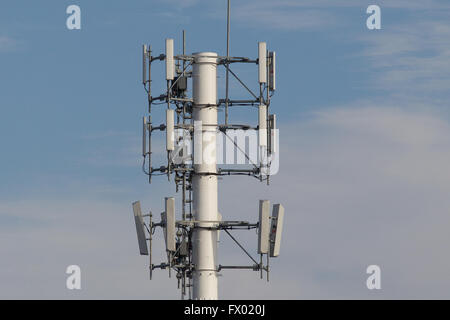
324	4
283	16
118	149
414	129
292	15
413	59
360	186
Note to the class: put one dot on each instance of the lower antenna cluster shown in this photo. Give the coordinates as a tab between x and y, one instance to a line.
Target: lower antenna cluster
178	240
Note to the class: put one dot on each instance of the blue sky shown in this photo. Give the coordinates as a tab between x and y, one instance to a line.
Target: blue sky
364	127
60	86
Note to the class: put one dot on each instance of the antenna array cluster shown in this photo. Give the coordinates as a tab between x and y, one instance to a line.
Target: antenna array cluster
191	242
181	107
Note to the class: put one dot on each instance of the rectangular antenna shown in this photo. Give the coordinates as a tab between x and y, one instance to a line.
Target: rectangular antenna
262	62
276	229
170	130
139	221
262	121
144	136
144	64
170	65
169	229
264	226
272	71
273	133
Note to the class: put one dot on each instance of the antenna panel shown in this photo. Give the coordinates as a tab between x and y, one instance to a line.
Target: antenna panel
139	221
144	64
276	229
262	62
272	71
264	227
262	120
169	230
170	129
170	65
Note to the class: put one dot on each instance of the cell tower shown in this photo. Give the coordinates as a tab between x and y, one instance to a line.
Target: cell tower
191	243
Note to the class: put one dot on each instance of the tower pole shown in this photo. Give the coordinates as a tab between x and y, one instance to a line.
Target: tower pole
204	180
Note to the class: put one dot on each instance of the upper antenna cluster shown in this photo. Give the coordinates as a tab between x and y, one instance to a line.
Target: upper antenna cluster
178	72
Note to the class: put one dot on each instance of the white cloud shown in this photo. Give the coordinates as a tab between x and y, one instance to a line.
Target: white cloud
361	186
312	14
392	125
412	60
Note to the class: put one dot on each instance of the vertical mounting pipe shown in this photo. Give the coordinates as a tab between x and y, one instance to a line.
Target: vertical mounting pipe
228	64
262	120
144	136
170	130
150	149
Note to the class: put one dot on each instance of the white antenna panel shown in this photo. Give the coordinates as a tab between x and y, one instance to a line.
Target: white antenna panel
276	229
262	62
170	130
139	221
144	64
264	226
262	121
170	65
272	71
170	224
